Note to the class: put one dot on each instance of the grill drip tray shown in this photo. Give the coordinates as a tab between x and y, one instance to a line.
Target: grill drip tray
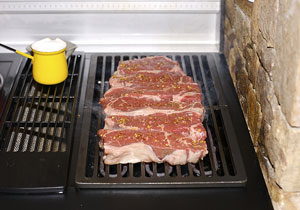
222	167
36	131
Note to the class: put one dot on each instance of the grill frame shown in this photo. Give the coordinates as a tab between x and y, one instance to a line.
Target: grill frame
42	171
142	181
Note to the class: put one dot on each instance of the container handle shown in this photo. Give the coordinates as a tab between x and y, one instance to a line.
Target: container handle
24	54
16	51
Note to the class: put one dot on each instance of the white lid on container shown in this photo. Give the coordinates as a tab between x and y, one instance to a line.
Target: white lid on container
49	45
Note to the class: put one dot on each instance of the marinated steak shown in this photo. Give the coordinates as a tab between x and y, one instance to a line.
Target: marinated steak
153	89
185	123
149	63
129	146
154	97
144	106
153	114
143	77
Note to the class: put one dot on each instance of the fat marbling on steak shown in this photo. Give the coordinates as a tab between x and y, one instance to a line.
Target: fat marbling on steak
128	105
153	114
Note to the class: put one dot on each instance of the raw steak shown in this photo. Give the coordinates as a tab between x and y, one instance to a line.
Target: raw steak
153	89
185	123
130	146
127	105
145	77
149	63
155	97
153	114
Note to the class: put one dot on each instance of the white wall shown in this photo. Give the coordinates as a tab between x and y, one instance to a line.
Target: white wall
113	26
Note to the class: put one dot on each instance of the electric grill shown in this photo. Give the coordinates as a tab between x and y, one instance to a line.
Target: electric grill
49	154
221	167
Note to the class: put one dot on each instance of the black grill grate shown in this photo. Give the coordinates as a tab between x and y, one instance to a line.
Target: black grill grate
37	131
39	116
221	167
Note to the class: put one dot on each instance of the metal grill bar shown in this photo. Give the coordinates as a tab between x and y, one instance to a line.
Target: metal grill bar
55	124
212	171
44	142
65	112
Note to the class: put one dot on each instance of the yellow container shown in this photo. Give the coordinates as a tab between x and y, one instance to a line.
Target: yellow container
49	68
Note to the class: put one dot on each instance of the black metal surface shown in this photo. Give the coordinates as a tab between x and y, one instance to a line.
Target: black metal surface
9	66
253	196
37	129
222	167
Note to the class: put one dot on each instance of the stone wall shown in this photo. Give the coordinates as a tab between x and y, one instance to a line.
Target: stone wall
262	42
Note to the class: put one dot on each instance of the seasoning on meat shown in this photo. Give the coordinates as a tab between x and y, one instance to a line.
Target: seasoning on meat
187	123
161	78
129	105
149	63
130	146
153	89
153	114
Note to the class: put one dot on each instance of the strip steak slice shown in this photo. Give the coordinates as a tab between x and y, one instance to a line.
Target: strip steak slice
149	63
153	89
147	77
185	123
155	97
128	105
130	146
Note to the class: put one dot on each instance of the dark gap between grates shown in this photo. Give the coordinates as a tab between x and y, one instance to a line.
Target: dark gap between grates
136	169
214	170
228	156
178	59
188	66
149	169
184	170
200	80
108	67
215	162
210	84
125	58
